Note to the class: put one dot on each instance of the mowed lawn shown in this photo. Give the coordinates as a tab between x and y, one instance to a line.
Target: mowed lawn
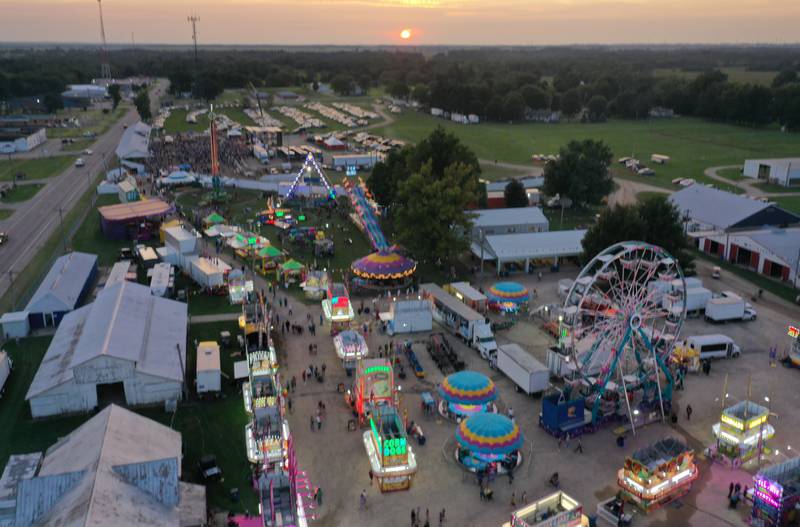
176	123
790	203
38	168
89	238
22	193
692	144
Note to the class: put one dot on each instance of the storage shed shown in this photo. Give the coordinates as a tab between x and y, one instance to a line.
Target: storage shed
62	290
15	324
209	375
127	344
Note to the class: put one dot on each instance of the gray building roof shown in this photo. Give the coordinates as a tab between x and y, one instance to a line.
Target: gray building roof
785	243
125	322
530	245
724	210
510	216
61	288
134	143
527	182
118	468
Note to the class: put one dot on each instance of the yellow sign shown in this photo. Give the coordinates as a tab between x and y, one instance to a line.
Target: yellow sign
757	422
728	420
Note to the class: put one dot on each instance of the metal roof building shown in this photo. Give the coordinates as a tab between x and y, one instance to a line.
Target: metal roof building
713	209
118	468
134	143
527	246
784	171
510	220
126	343
63	288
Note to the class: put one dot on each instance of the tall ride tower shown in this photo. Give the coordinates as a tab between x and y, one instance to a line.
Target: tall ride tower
105	66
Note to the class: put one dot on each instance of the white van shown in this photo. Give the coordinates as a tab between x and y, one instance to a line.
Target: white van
712	346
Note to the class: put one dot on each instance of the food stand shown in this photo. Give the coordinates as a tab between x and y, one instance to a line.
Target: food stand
742	430
240	289
373	388
315	285
556	510
658	474
290	271
350	348
391	459
267	258
337	308
466	393
776	495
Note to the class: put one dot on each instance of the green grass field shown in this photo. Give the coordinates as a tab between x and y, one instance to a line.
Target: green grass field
238	115
5	214
692	144
22	193
735	74
89	238
641	196
772	188
176	123
733	174
92	120
38	168
494	172
790	203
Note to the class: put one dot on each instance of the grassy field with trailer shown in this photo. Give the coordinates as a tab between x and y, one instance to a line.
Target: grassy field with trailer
692	144
36	168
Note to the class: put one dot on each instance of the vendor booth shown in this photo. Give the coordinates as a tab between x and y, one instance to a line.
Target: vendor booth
290	271
658	474
556	510
350	348
267	258
213	219
337	308
262	392
468	294
373	388
776	495
391	458
315	285
466	393
741	431
240	289
509	297
489	443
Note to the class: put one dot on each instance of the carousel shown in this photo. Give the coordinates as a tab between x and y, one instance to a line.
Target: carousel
466	393
382	269
489	442
508	297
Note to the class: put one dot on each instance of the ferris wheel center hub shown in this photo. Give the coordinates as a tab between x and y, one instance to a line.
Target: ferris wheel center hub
635	321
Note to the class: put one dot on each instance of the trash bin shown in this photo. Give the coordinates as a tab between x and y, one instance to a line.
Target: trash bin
235	495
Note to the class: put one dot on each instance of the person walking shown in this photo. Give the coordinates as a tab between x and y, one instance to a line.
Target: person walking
414	516
362	500
524	497
370	477
513	499
730	490
312	423
579	448
441	518
318	496
319	422
289	403
689	412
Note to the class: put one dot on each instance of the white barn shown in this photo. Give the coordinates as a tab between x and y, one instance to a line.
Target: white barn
126	344
785	171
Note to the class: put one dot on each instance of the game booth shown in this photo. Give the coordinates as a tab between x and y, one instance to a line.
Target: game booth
373	388
262	400
508	297
658	474
466	393
267	259
391	459
556	510
350	348
489	442
290	271
315	285
383	269
776	495
562	415
742	431
240	289
337	308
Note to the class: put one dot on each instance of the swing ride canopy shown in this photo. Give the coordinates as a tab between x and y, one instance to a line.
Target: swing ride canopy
489	434
502	292
384	266
468	388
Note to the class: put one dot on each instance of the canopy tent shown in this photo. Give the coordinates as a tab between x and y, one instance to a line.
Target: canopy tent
468	387
213	219
290	269
269	252
489	434
508	296
384	265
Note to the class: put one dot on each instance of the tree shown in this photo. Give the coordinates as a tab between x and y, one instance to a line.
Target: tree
53	102
387	175
784	77
515	195
654	220
597	106
399	90
535	97
581	172
209	86
494	108
142	102
570	102
343	84
513	107
440	204
116	97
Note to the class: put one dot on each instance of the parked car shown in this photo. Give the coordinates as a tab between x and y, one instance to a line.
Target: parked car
79	162
88	152
3	238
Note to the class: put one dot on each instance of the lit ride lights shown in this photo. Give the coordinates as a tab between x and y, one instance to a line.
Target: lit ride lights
373	388
350	348
337	308
658	474
742	430
391	459
466	393
556	510
489	441
776	495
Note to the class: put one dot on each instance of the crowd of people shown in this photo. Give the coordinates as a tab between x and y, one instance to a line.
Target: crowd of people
195	150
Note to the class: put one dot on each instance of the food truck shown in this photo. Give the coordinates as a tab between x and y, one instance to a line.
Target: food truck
391	458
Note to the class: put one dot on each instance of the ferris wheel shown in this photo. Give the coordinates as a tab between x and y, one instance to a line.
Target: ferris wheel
622	317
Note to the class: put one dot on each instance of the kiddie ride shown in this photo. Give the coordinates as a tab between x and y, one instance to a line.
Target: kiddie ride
337	308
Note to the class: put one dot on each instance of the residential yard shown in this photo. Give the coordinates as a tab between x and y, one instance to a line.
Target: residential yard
38	168
21	193
692	144
89	238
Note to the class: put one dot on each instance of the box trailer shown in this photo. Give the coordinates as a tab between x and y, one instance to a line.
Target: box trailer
530	375
209	375
408	316
5	370
729	307
696	300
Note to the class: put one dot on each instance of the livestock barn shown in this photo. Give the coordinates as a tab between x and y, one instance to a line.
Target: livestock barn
62	290
127	345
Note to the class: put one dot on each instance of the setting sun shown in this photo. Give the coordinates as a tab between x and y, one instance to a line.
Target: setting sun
405	34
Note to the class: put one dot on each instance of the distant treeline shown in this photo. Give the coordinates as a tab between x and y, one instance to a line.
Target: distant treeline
502	84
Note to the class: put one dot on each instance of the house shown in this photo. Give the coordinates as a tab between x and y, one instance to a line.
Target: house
118	468
784	171
495	191
64	287
709	209
127	344
507	221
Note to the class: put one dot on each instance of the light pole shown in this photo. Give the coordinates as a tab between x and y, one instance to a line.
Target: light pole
61	224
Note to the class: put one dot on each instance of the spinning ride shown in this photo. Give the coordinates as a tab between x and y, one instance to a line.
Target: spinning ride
508	296
489	441
466	393
617	329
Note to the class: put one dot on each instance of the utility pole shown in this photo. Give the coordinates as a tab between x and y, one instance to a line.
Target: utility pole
61	223
105	66
11	289
194	19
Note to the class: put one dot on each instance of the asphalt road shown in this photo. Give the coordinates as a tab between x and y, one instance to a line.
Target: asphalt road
35	220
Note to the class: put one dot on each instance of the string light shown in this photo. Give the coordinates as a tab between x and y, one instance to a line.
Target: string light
311	162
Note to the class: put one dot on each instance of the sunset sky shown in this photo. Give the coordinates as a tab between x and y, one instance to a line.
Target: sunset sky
477	22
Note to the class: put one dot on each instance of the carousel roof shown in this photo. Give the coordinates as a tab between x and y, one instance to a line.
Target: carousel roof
508	292
384	266
467	387
489	433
